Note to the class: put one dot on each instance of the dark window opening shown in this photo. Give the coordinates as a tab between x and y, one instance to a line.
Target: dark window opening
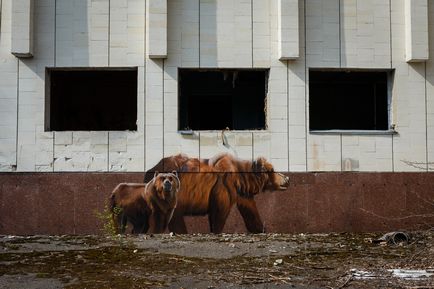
91	99
222	98
348	100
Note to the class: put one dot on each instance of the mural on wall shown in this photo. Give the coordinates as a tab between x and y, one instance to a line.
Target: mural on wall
196	187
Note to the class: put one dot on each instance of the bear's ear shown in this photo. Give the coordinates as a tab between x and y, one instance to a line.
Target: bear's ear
155	174
175	173
259	165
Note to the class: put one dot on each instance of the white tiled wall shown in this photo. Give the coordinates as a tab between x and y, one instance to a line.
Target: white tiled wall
365	43
409	103
430	92
82	34
8	92
322	50
209	33
35	147
127	48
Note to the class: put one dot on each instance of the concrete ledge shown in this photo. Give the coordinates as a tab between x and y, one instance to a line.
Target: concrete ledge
289	42
416	31
156	23
22	28
66	203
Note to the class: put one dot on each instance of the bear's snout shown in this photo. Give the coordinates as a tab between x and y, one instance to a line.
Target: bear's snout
167	186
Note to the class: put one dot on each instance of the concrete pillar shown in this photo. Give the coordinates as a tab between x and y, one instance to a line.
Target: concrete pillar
289	43
22	28
416	30
156	23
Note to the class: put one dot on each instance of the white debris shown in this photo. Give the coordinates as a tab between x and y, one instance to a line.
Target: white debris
412	274
135	251
278	262
361	275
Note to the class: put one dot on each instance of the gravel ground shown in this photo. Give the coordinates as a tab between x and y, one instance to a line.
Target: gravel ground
215	261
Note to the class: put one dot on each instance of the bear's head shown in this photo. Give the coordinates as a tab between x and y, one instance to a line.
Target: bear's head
272	180
166	185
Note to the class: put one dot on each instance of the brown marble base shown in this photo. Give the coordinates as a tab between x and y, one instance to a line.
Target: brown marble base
67	203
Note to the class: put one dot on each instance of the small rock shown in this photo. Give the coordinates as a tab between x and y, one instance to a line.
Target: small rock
135	251
278	262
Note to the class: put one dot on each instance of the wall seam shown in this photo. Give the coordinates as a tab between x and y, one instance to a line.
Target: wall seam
199	67
253	146
199	150
390	34
305	84
340	38
287	111
391	67
340	66
55	33
108	33
108	151
144	90
198	21
55	64
426	123
108	64
251	17
342	166
18	114
1	9
253	65
162	75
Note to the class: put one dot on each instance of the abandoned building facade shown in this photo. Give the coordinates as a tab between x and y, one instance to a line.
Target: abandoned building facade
368	107
113	86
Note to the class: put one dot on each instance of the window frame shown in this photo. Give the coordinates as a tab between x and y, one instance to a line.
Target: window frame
47	94
267	71
390	82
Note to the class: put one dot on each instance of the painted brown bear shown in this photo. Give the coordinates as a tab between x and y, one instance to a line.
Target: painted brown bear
161	197
145	206
213	186
128	206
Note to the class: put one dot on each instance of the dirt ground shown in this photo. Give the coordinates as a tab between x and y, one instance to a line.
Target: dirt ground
216	261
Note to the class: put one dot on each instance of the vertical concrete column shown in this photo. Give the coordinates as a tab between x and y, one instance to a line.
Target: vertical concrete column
22	28
0	14
416	30
289	43
156	23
